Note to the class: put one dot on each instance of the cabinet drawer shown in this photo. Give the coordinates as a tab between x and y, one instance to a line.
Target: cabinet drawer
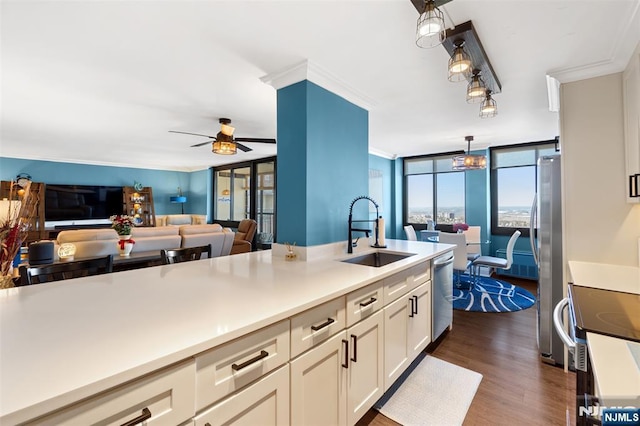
163	398
266	402
364	302
229	367
403	282
316	325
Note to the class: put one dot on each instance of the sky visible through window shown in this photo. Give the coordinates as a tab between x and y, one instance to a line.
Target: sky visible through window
516	189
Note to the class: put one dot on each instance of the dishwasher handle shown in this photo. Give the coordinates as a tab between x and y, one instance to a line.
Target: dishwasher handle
441	263
559	325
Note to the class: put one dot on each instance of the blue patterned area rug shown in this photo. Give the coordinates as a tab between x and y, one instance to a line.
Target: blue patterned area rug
491	295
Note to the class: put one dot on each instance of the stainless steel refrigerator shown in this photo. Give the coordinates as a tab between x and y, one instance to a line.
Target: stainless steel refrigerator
546	245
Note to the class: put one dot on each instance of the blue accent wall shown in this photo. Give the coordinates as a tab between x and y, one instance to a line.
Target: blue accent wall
291	193
477	200
387	203
164	183
322	163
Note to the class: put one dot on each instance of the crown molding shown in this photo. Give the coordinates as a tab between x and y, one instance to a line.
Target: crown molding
383	154
627	40
307	70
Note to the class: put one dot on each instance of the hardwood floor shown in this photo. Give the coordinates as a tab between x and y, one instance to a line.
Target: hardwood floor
516	388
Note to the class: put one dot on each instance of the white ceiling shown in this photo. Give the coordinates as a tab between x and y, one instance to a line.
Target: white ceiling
103	82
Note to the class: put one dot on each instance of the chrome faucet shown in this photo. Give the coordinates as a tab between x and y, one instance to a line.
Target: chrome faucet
350	243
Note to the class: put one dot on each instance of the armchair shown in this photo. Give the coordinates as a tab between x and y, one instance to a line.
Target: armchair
244	236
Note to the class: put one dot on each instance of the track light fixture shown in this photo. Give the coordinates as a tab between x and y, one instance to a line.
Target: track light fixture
476	90
430	31
459	63
489	107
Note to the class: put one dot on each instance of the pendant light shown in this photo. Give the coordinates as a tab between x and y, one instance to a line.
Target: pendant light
430	31
468	161
476	89
459	63
489	107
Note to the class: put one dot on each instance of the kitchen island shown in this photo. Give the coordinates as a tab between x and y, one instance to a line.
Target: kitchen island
63	342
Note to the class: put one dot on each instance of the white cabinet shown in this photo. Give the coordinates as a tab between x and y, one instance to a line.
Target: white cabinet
338	381
402	282
362	303
631	101
365	375
407	331
162	398
319	384
265	402
229	367
316	325
419	330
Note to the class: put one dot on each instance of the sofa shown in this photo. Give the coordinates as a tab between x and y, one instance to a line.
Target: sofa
101	242
221	239
181	219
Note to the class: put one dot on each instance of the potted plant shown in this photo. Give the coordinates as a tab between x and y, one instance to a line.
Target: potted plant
123	224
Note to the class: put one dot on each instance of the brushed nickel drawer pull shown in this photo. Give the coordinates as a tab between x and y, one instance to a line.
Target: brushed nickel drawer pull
328	322
263	354
367	303
146	415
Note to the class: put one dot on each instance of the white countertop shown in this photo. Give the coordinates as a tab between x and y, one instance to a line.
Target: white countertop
616	371
63	341
605	276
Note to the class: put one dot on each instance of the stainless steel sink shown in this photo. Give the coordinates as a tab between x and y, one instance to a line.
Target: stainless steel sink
377	259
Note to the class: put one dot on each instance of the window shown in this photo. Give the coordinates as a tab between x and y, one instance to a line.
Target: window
513	185
247	191
433	191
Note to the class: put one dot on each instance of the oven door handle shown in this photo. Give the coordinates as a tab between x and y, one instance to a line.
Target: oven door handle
559	324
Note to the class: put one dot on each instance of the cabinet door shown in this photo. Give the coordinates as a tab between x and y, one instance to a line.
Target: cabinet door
265	402
631	101
319	384
419	327
365	382
161	398
396	353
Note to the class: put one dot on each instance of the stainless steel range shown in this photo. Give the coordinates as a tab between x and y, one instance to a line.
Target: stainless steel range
611	313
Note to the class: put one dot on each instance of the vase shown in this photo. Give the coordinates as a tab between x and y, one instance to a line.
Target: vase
6	281
125	245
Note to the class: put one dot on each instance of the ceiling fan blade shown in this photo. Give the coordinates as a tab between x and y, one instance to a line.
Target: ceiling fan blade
201	144
256	140
243	148
196	134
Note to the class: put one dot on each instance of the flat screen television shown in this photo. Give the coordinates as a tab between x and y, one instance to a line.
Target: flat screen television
79	202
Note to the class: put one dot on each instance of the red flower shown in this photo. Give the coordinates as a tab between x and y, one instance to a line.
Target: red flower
460	227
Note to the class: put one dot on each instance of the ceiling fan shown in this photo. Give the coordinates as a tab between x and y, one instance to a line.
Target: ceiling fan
224	143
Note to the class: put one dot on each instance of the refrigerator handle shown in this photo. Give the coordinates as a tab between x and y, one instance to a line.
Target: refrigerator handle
532	228
559	325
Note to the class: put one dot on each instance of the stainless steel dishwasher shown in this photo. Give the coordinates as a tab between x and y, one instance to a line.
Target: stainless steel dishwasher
442	294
